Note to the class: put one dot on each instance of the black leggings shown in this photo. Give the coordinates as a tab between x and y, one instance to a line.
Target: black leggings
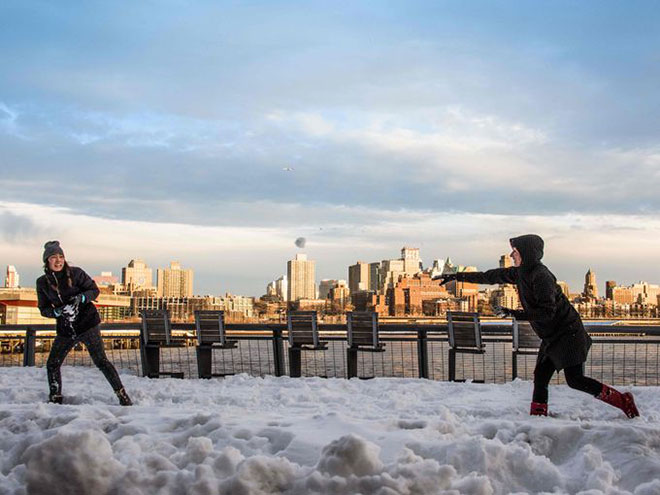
61	347
574	378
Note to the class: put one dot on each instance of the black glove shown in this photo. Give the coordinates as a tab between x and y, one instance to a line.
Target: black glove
445	278
501	312
78	299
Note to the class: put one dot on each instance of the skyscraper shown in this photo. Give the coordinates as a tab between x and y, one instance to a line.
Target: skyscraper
325	286
301	276
358	277
136	276
609	286
12	280
174	281
590	287
411	262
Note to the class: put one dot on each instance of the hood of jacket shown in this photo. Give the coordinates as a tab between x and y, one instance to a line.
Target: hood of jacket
530	247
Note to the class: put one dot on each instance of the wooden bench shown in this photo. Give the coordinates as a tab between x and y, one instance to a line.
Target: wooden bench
210	331
362	333
155	333
464	331
525	341
303	333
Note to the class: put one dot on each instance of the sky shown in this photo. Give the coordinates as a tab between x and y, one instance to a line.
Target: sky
217	133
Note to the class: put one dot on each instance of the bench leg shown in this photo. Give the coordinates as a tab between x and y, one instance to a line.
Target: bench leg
295	362
204	361
150	361
452	365
351	362
514	365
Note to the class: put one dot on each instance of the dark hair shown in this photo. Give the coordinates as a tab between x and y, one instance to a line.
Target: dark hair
66	269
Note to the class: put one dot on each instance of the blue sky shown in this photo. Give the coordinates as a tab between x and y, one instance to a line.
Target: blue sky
162	130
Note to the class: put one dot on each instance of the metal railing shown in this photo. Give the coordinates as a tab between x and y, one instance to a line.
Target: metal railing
619	355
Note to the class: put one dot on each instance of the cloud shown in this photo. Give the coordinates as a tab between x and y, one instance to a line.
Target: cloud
242	258
17	227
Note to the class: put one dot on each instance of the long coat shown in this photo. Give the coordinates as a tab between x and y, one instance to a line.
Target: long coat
54	291
563	338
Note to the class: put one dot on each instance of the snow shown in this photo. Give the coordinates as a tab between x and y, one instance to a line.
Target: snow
245	435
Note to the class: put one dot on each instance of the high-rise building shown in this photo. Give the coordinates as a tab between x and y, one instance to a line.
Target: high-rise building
325	286
301	277
281	287
174	281
358	277
374	276
437	267
564	288
339	294
506	261
137	275
12	280
609	285
390	271
639	293
590	287
412	264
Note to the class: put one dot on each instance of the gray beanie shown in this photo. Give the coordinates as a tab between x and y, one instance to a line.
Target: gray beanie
51	248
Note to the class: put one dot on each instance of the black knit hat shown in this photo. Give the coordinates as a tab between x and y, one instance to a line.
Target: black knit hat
51	248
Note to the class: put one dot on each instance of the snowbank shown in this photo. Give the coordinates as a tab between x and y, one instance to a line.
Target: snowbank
243	435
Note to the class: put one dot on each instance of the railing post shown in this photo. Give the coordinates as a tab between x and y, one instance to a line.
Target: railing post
29	347
422	353
278	352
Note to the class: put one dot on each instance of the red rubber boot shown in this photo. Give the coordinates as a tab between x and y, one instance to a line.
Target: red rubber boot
624	401
538	409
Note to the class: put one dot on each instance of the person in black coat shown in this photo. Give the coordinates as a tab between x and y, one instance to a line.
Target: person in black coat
564	341
66	293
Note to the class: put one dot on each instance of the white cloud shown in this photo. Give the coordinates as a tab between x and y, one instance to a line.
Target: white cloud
244	258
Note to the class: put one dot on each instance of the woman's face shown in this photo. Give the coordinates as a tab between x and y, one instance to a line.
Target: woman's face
515	255
56	262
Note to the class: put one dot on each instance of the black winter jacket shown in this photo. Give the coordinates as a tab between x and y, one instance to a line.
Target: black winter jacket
53	292
548	310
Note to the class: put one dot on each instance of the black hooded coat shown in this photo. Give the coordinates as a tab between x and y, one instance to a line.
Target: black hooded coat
564	339
53	291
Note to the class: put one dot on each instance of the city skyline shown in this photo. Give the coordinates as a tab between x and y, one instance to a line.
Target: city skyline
225	131
142	267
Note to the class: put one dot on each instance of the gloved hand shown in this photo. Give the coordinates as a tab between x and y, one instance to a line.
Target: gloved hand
78	299
445	278
501	312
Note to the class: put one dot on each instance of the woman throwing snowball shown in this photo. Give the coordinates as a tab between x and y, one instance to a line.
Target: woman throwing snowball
564	341
66	293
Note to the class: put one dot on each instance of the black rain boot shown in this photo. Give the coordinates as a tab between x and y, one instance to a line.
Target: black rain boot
55	393
124	399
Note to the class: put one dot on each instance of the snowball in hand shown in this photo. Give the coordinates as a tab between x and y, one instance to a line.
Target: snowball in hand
300	242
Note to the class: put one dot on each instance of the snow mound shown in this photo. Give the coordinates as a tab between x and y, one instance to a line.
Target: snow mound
252	436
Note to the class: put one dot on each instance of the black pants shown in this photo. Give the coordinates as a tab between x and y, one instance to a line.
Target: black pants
61	347
574	378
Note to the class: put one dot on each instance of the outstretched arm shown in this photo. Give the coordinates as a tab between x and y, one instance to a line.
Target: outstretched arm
495	276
